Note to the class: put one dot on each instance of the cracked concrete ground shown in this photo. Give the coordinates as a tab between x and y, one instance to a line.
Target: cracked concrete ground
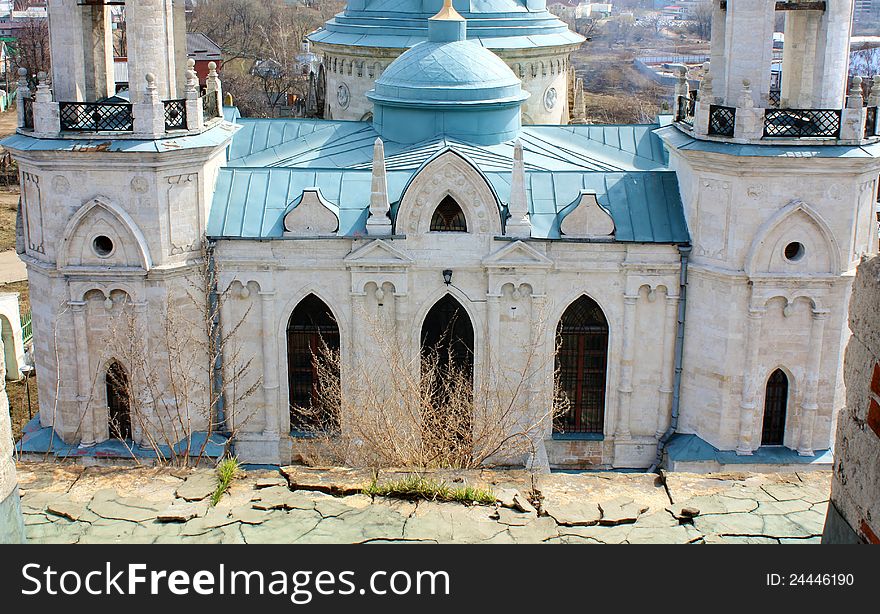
73	504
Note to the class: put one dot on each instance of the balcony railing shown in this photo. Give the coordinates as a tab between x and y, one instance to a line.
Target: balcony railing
802	123
722	120
175	114
28	105
96	116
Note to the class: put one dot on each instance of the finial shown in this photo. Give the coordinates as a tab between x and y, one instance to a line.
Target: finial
190	64
448	13
212	66
22	72
151	79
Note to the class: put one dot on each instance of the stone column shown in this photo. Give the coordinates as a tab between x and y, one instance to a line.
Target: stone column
810	403
98	51
750	382
626	366
145	407
11	523
667	368
66	43
85	418
270	363
150	40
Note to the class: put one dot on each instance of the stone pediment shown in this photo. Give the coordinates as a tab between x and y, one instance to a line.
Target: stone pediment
378	253
588	219
518	255
311	215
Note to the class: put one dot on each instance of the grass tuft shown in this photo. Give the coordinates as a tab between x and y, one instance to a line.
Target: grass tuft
418	487
227	470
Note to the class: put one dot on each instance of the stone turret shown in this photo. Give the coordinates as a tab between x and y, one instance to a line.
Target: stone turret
743	99
11	524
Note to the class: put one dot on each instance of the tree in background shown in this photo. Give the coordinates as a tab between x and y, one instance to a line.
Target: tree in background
31	49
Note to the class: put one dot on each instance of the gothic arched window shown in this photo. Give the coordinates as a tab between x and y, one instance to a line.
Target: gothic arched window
313	366
582	362
775	409
448	217
118	402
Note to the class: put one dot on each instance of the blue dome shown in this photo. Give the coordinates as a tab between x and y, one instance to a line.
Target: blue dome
448	73
400	24
447	87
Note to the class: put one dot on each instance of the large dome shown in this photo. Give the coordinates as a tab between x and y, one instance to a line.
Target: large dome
496	24
447	86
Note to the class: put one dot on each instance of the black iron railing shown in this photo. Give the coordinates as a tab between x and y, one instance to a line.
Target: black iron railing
687	107
722	120
28	105
96	116
802	123
774	97
175	114
870	122
209	105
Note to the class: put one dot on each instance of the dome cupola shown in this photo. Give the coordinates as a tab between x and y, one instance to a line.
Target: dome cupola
447	86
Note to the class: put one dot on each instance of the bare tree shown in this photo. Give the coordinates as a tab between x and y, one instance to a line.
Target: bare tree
31	48
424	410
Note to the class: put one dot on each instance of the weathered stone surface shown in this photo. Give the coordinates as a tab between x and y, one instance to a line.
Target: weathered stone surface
248	515
108	504
515	518
333	480
718	504
730	524
574	514
181	512
521	503
505	497
535	532
215	518
72	510
737	539
271	481
358	526
281	528
663	535
281	498
198	486
622	510
767	508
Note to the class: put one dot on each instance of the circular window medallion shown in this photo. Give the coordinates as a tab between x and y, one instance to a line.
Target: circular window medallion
550	98
794	251
102	245
343	96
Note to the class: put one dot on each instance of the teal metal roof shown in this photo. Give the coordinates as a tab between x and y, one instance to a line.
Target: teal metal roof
272	161
399	24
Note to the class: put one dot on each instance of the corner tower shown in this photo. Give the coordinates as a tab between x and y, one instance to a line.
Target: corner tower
779	182
113	209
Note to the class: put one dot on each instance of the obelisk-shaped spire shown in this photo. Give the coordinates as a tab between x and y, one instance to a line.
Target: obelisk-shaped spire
379	223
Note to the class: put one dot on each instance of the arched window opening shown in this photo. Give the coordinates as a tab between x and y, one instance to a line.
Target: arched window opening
581	364
313	367
118	401
447	342
448	217
775	409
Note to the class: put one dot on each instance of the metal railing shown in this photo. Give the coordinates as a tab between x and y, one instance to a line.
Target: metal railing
175	114
774	97
802	123
27	328
722	120
96	116
28	105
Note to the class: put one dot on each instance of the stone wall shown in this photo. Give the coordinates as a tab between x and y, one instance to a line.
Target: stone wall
854	510
11	524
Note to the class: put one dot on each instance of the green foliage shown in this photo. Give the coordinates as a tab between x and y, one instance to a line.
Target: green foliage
419	487
227	470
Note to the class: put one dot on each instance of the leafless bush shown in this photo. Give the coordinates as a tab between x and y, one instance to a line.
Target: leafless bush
425	410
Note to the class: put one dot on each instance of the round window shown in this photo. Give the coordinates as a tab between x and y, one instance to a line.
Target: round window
102	245
794	251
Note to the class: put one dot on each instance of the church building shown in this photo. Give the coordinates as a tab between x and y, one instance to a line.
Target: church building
683	284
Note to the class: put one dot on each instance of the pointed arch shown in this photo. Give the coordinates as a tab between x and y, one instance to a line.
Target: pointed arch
101	217
776	401
448	217
313	345
448	173
797	223
582	364
118	390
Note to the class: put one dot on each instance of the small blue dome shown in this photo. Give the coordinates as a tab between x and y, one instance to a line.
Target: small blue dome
447	86
448	73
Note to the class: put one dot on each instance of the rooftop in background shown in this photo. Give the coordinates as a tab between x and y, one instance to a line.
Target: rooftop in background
201	48
398	24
